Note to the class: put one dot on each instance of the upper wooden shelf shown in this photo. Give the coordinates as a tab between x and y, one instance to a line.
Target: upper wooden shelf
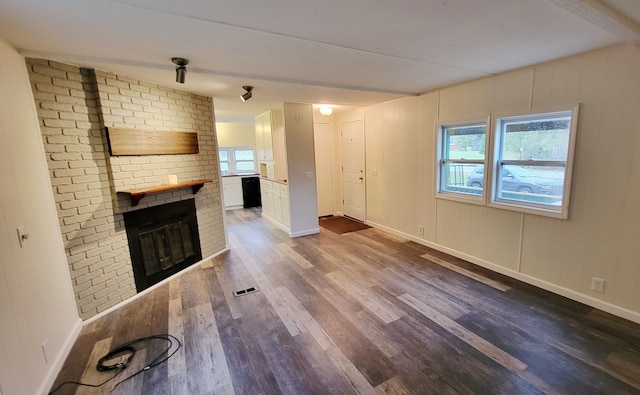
134	142
137	194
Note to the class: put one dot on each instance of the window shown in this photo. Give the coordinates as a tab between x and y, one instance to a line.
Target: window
224	161
462	160
237	160
532	161
526	168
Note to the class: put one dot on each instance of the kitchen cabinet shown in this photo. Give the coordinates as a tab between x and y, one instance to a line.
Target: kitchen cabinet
264	139
266	193
232	192
275	203
284	205
270	145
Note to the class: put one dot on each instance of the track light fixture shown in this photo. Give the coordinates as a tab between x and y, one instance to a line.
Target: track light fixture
247	95
181	69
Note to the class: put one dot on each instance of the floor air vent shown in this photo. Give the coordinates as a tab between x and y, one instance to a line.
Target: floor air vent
247	291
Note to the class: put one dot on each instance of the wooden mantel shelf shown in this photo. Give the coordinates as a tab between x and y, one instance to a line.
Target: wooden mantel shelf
137	194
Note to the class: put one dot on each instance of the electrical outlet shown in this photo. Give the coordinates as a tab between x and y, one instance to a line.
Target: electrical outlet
597	285
421	230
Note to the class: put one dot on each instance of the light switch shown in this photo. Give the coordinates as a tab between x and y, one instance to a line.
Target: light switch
308	175
375	172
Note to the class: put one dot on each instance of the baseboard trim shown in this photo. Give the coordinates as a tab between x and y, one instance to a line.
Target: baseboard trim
306	232
562	291
58	362
151	288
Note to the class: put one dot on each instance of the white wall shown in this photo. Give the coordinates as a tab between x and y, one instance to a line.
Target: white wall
323	147
36	298
236	134
598	239
298	126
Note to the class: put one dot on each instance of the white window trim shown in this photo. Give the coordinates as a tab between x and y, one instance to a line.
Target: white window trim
232	159
439	146
531	208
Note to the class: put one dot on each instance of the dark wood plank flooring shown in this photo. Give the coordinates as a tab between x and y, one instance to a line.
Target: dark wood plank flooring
364	312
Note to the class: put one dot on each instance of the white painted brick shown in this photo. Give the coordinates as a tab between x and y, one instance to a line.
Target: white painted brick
143	115
59	123
67	83
80	163
133	121
122	112
88	194
83	179
48	70
163	107
68	172
153	122
77	148
140	88
118	98
116	83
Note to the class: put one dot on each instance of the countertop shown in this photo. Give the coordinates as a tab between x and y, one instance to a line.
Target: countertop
274	180
241	175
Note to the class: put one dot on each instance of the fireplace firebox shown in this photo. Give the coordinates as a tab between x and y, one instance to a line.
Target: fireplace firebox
163	240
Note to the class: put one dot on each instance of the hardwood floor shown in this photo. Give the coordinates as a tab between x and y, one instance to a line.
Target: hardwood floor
364	312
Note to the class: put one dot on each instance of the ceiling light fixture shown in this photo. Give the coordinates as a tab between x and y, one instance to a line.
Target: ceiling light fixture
181	69
247	95
326	110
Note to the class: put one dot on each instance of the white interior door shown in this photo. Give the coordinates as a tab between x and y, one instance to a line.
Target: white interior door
353	169
323	143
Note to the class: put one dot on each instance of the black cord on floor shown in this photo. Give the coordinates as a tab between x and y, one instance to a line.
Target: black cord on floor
120	367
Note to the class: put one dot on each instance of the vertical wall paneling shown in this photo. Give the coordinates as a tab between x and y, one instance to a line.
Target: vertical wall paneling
597	240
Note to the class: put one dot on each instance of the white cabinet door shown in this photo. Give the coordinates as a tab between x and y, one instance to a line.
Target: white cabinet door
277	205
232	190
268	139
266	194
259	139
264	141
284	205
267	203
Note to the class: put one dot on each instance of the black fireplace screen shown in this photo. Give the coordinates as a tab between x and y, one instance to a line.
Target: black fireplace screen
166	246
163	240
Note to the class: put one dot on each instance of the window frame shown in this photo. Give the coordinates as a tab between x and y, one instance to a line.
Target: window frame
496	163
442	161
231	156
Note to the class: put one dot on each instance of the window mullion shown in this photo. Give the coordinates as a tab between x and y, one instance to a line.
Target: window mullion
556	163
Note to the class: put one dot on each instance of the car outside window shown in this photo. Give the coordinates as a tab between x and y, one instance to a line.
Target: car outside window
461	159
532	162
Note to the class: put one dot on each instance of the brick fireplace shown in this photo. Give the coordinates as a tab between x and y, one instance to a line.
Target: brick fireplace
74	107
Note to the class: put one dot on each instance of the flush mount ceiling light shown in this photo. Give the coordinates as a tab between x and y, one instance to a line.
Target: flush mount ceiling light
181	69
247	95
326	110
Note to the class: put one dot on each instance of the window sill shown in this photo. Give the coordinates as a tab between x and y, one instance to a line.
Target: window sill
461	198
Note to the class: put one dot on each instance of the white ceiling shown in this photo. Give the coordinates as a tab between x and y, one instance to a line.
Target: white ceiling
345	53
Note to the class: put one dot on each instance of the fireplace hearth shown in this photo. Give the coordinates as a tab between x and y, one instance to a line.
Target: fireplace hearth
163	240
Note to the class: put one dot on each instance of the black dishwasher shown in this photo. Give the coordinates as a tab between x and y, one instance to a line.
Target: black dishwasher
251	192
